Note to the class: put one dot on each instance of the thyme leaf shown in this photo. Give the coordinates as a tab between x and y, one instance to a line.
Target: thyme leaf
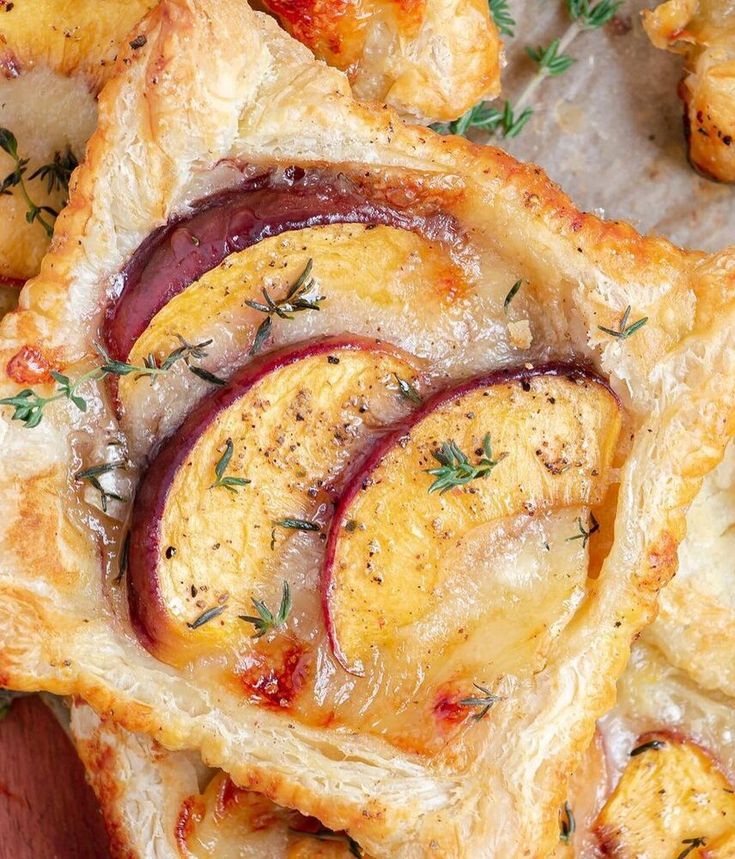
624	330
549	60
27	407
567	824
407	390
692	844
92	475
206	376
265	620
299	297
228	482
652	745
591	16
455	468
512	294
324	834
206	616
122	564
585	534
297	524
483	702
57	172
504	21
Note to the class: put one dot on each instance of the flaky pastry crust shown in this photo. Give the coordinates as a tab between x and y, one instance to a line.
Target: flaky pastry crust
428	59
703	31
164	805
216	85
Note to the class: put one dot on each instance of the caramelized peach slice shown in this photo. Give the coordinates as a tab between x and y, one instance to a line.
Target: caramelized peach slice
418	290
672	800
254	463
494	447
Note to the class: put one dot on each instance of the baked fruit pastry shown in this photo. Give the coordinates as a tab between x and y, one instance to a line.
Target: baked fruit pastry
431	60
410	439
703	31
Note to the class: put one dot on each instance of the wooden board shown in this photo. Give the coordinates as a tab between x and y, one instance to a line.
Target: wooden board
47	810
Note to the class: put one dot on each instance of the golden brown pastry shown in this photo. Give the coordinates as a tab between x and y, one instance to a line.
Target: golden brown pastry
167	805
430	59
435	667
659	780
703	31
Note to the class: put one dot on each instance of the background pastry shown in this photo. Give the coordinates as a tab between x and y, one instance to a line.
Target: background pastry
704	33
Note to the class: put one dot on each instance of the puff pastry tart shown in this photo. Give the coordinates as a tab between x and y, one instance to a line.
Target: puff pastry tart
703	31
429	59
409	442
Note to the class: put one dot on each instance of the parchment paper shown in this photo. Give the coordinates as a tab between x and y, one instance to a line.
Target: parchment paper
609	130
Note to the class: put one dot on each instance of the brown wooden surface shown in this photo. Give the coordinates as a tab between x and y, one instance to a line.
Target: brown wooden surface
47	810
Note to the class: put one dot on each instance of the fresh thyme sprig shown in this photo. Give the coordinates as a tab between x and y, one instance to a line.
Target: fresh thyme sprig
624	330
483	702
324	834
593	15
266	620
206	616
692	844
489	118
549	59
92	475
56	174
28	406
227	481
585	533
151	365
456	469
567	824
297	298
504	21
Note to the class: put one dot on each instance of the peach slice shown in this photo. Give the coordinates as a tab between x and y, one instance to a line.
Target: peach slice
207	534
536	439
420	290
672	800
